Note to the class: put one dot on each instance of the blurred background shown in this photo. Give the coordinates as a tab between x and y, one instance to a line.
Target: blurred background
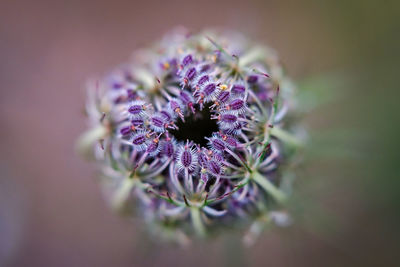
344	54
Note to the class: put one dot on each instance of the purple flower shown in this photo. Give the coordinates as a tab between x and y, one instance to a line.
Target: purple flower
215	168
139	140
238	89
169	148
153	148
216	143
187	60
202	80
223	97
186	158
237	105
188	136
158	123
252	79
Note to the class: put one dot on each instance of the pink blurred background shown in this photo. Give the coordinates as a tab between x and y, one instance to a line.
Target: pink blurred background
51	209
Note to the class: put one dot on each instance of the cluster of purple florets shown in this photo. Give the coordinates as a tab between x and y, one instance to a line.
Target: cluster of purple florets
183	186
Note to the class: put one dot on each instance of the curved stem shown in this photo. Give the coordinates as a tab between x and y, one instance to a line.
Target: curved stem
235	156
122	193
197	223
174	178
286	137
160	170
269	187
260	105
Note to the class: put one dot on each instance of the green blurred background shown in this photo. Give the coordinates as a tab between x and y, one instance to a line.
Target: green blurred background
342	54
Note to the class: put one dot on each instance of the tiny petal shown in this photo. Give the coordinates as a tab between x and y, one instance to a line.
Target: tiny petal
252	79
213	212
216	143
203	80
186	158
214	168
125	130
191	73
168	149
187	60
238	89
139	141
223	96
238	105
157	124
209	89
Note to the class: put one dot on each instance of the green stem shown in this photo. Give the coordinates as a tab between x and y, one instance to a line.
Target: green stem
286	137
197	223
122	194
220	48
269	187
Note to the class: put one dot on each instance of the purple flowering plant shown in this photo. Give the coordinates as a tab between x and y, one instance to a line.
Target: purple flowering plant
194	135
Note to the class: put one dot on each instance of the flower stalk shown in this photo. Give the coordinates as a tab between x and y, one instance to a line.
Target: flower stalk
198	225
269	188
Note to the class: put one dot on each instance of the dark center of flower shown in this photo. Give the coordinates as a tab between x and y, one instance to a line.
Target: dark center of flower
196	127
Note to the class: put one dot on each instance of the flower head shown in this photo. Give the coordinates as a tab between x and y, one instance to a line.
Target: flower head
195	132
